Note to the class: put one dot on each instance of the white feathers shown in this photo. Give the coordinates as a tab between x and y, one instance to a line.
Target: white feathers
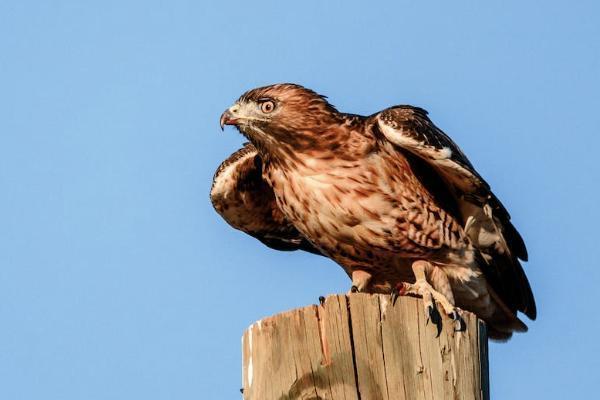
469	223
451	171
446	152
480	225
224	182
397	136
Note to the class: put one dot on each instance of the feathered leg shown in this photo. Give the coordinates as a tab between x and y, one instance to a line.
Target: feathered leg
360	281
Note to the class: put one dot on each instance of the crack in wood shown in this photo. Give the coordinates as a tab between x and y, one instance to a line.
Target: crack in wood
358	347
352	348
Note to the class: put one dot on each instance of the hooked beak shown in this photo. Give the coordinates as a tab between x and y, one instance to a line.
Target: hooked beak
227	118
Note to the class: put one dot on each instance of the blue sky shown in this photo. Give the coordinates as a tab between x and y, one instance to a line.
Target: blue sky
119	281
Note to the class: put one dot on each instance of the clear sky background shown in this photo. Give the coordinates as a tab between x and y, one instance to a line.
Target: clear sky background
117	278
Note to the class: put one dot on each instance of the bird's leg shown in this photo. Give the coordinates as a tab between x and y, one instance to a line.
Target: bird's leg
360	280
430	296
439	281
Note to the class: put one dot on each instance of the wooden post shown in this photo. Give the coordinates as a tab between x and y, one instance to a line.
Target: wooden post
360	347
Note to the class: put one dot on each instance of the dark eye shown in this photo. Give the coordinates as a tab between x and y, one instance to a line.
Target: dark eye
267	106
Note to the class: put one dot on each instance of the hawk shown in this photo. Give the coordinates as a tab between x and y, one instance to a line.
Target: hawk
389	197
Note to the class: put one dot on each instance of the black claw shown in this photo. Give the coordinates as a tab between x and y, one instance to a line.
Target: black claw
353	289
456	317
396	292
321	300
242	390
462	325
435	318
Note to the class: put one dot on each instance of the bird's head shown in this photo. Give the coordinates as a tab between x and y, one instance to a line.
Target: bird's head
281	115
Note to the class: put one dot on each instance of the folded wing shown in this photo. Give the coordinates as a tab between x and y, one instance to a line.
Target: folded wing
486	221
246	201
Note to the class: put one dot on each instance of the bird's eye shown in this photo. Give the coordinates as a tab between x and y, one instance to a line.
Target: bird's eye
267	106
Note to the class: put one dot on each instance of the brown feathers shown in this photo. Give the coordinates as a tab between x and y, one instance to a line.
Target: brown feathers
241	196
374	194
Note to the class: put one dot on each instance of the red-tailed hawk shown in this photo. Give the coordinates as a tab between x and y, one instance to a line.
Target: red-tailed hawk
389	197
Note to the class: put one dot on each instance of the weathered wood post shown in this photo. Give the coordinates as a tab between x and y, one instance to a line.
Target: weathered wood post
360	347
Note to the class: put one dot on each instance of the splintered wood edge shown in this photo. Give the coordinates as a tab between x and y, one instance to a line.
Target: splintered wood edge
348	330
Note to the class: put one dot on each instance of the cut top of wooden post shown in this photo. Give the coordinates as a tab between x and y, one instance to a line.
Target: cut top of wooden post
359	346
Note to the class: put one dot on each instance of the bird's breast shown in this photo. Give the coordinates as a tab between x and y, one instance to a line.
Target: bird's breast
352	202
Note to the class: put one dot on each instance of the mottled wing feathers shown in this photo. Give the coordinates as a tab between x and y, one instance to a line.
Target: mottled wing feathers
245	200
511	235
410	128
486	221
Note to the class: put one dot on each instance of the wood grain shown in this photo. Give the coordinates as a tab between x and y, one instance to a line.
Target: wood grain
359	346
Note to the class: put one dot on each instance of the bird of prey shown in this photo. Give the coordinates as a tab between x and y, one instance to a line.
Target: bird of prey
389	197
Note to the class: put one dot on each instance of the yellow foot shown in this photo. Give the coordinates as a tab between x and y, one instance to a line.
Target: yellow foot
430	296
360	281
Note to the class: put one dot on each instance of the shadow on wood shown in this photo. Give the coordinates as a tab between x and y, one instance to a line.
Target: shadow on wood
360	347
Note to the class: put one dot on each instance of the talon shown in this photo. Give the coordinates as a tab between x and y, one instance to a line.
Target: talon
397	291
435	318
429	312
321	300
432	299
458	319
462	325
